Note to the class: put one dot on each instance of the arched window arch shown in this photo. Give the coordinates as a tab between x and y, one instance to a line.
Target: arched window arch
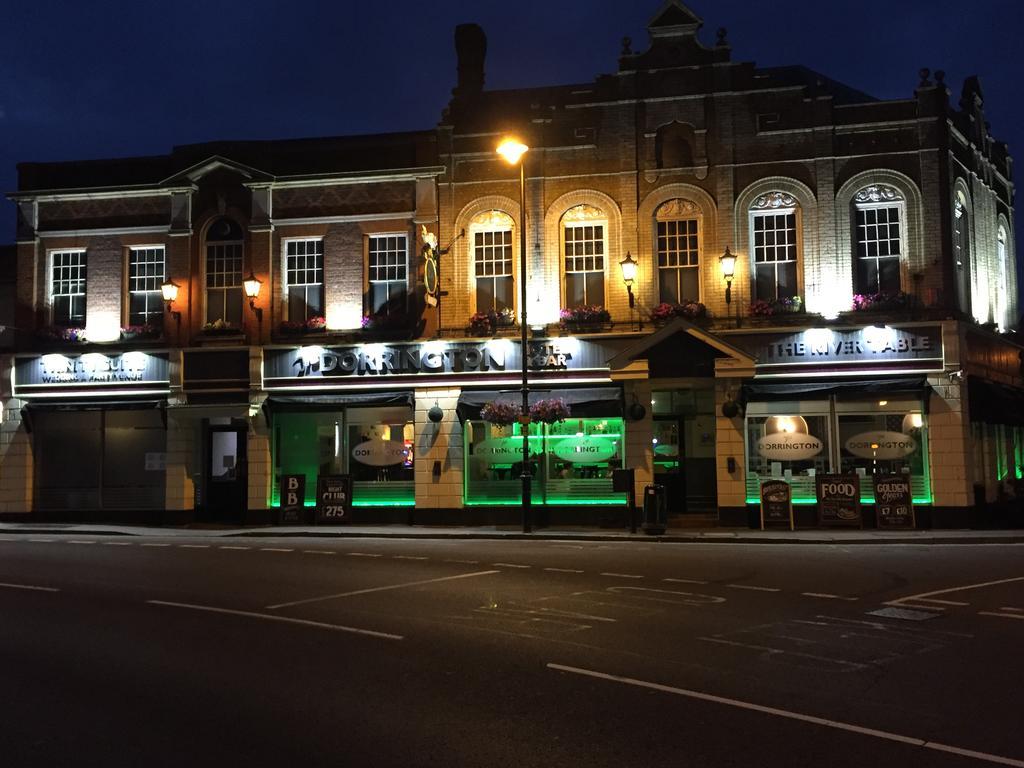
584	245
878	217
775	245
673	145
962	250
490	235
223	273
677	247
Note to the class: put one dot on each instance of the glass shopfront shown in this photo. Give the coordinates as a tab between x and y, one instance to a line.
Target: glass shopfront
571	462
372	444
795	441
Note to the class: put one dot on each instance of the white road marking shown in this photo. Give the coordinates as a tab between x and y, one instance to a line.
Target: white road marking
285	619
154	544
194	546
408	557
1015	610
666	596
362	554
231	546
43	541
81	541
686	581
788	714
621	575
563	570
275	549
510	565
753	588
924	595
463	562
772	651
29	586
317	552
827	596
1002	615
117	543
939	602
378	589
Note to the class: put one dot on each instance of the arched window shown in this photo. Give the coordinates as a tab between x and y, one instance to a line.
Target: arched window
677	245
673	145
878	217
962	251
1002	290
491	235
775	245
224	272
583	237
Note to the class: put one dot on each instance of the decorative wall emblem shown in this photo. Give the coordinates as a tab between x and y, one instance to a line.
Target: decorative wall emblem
774	200
584	213
491	220
877	193
677	209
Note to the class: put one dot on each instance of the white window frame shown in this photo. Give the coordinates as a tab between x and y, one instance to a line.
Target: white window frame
158	314
370	282
901	256
597	221
224	289
699	220
786	210
496	221
286	284
51	258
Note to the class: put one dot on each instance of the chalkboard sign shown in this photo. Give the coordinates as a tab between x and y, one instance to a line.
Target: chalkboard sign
293	498
776	504
333	498
894	501
839	500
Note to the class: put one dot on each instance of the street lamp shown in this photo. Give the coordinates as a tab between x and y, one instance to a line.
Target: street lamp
728	263
169	289
628	266
513	150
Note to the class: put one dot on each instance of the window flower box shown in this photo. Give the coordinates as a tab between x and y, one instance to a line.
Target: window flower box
770	308
221	328
301	327
56	334
693	311
141	332
585	319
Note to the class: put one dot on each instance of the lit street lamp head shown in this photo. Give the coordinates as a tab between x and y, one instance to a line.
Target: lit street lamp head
728	262
512	150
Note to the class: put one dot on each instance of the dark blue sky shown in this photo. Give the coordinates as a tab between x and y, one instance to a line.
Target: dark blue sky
107	78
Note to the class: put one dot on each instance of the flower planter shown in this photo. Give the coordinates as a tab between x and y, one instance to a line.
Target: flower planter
581	327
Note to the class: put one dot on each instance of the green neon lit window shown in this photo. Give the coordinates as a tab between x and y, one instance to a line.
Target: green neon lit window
571	462
1018	453
374	445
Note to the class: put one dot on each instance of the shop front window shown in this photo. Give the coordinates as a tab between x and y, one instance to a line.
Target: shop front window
373	445
571	462
789	446
884	443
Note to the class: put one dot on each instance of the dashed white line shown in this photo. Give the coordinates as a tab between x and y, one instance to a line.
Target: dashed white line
275	549
463	562
362	554
510	565
81	541
154	544
117	543
1014	610
984	756
407	557
685	581
317	552
272	617
379	589
621	575
194	546
29	587
42	541
828	596
231	546
753	588
1002	615
563	570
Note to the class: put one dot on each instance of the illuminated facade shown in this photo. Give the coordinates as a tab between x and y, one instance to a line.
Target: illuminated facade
858	336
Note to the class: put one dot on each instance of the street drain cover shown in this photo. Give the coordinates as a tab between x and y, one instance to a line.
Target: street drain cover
904	613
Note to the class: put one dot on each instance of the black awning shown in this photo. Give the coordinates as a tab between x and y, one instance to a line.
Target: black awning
994	403
35	407
306	403
590	401
792	390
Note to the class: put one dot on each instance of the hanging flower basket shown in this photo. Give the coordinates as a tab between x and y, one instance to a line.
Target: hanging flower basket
550	411
688	310
500	413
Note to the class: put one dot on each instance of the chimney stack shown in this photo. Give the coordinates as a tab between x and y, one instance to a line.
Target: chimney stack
471	48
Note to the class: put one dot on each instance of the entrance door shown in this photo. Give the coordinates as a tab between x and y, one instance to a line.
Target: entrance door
668	461
226	480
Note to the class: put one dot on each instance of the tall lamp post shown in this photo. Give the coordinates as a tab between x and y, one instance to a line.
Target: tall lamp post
728	262
512	150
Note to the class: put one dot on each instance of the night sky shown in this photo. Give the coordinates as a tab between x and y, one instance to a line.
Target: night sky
85	80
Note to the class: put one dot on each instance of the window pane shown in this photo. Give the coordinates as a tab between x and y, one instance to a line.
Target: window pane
668	285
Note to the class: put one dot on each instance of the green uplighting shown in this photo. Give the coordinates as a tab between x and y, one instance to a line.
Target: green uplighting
919	502
385	503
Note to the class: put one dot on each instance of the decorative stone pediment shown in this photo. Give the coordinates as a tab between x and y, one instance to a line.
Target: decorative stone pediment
877	193
492	220
677	208
774	200
584	213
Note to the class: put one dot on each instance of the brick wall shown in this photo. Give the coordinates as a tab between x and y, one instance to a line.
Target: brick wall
441	442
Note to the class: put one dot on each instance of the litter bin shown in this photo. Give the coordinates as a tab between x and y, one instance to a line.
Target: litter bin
655	510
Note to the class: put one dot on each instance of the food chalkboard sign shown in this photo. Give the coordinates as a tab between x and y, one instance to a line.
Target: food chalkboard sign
776	504
293	498
894	501
839	500
333	498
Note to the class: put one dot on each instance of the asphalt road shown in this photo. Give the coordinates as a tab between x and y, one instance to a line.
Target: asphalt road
373	652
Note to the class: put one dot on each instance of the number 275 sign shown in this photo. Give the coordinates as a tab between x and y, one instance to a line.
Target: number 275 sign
333	498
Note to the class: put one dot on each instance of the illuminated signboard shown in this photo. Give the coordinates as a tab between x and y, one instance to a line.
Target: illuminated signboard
55	371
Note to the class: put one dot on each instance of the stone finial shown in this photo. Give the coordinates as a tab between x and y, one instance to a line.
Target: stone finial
627	46
940	76
721	34
924	73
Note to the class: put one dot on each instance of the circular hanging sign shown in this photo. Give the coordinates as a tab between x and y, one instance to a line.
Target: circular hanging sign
380	453
789	446
588	449
881	445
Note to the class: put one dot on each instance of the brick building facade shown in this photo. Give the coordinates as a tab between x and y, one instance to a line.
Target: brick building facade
874	275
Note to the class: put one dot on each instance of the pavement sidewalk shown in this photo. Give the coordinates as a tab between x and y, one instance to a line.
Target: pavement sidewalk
673	535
